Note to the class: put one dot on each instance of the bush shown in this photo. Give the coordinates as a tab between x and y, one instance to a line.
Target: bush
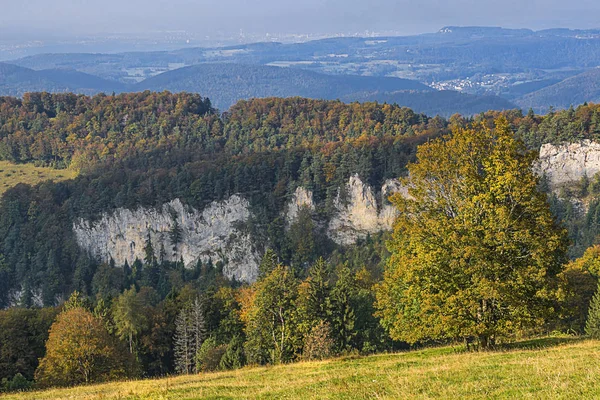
18	383
234	356
209	356
318	344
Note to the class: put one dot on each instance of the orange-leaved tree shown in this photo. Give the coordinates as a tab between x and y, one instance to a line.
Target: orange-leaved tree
80	350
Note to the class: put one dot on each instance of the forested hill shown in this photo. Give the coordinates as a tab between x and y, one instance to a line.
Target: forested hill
147	149
16	81
225	84
575	90
443	102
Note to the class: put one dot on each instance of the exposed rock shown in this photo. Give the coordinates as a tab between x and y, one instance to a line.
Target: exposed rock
302	198
360	214
15	297
214	233
566	163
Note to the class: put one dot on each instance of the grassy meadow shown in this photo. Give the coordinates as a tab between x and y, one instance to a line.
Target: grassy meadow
13	174
550	368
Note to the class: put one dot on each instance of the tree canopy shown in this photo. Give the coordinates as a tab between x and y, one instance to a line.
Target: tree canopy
475	250
80	350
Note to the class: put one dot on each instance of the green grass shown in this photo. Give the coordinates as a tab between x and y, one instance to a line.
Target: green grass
13	174
553	368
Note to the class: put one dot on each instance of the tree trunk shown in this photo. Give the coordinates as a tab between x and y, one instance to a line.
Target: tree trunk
484	342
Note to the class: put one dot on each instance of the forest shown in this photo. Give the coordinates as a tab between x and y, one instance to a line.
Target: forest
313	299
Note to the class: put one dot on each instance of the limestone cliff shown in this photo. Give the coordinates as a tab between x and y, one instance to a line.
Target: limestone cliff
213	233
566	163
360	214
302	198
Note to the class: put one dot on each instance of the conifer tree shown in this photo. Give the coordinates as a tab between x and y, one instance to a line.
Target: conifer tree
319	292
151	268
343	314
268	263
190	333
592	325
128	318
184	354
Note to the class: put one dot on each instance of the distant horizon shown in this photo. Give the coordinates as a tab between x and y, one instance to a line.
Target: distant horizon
171	40
32	34
72	18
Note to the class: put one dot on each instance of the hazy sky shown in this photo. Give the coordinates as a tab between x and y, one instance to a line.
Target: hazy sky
301	16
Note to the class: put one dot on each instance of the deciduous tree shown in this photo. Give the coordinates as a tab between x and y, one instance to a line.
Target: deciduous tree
80	350
475	250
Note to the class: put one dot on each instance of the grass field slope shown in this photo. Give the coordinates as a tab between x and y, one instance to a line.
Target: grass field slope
541	369
13	174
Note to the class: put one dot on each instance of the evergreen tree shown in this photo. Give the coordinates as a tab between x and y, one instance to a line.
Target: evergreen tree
592	325
190	333
343	316
184	353
319	292
151	267
128	316
268	263
176	232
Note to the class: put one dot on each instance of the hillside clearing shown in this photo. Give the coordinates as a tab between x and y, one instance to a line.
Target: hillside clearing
13	174
541	369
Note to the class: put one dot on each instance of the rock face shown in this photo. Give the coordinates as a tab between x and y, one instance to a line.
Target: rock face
213	233
360	214
569	162
302	198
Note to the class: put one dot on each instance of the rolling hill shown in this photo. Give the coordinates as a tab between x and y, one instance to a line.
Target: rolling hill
443	103
225	84
546	368
576	90
16	80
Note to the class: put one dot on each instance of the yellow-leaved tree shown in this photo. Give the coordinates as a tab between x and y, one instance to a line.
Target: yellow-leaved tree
475	251
80	350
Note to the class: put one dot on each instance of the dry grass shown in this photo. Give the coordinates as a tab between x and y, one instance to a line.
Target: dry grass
543	369
13	174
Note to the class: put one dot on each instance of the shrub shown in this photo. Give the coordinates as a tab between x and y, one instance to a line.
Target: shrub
234	356
18	383
209	356
318	344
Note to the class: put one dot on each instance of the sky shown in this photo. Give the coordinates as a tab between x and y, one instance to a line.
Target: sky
82	17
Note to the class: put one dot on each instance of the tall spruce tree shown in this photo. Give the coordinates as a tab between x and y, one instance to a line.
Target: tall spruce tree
184	353
592	325
190	333
151	268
